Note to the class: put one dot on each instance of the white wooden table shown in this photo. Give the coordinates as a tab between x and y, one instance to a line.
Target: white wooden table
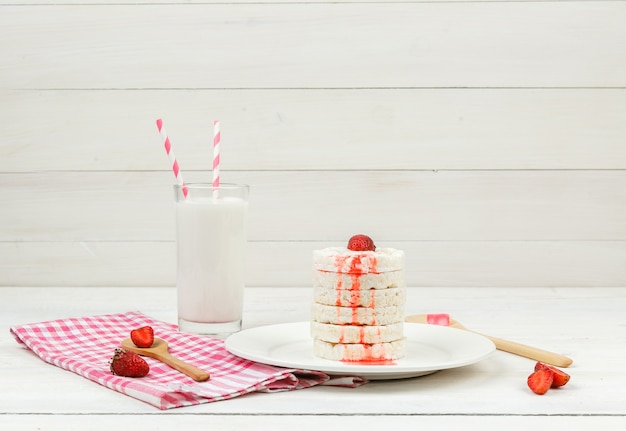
589	325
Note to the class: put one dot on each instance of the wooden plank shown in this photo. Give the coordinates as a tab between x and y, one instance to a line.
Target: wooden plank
185	2
327	206
288	264
316	129
289	422
550	318
433	44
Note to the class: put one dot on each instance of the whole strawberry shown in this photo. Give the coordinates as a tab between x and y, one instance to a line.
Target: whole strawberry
142	337
128	364
361	243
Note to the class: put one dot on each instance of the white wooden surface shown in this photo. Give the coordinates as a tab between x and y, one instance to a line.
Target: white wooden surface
585	324
486	138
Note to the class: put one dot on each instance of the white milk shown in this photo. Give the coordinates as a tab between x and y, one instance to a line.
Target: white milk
211	242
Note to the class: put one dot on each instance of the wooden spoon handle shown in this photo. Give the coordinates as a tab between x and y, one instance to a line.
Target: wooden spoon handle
189	370
530	352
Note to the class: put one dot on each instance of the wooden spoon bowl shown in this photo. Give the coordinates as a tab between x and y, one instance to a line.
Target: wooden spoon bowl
160	351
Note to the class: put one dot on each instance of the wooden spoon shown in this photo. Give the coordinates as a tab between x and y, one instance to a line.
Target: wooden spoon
508	346
159	350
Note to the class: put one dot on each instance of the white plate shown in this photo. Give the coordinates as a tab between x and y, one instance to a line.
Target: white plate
430	348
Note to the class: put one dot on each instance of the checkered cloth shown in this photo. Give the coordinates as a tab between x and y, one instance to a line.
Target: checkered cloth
85	346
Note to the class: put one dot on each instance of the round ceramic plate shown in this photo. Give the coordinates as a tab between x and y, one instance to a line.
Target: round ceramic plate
430	348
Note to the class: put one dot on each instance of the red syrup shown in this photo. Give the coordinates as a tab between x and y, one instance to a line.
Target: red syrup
355	271
370	358
370	362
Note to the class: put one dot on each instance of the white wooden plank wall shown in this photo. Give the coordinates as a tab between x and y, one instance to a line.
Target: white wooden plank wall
485	138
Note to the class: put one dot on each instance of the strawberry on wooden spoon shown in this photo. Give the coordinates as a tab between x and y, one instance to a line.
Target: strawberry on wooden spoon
142	337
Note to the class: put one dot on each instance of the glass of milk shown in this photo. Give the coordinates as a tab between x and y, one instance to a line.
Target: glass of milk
211	231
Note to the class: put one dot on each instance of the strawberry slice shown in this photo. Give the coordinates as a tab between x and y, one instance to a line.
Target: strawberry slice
560	377
540	381
142	337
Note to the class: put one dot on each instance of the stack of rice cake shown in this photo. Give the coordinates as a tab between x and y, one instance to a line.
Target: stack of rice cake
358	307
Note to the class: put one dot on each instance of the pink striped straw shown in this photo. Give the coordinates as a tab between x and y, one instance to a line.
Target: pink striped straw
216	157
170	152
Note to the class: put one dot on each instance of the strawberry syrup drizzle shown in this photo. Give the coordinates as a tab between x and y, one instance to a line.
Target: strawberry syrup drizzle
355	272
370	358
370	362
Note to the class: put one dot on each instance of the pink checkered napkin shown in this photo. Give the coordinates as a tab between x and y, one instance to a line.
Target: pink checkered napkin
85	346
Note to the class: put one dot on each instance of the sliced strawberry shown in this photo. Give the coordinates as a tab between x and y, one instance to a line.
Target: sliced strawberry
142	337
361	243
540	381
560	377
128	364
